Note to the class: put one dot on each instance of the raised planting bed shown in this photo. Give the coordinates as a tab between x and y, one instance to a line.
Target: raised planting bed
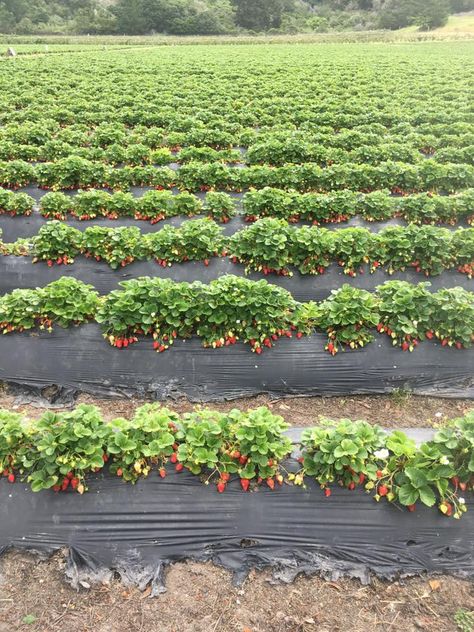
311	513
79	360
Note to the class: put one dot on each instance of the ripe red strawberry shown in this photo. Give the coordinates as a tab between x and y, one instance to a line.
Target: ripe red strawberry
119	343
173	458
299	335
65	484
74	483
50	263
458	345
206	262
429	335
270	463
221	487
11	478
411	507
258	350
120	472
270	482
245	484
463	486
455	481
235	455
379	473
444	342
70	475
243	460
382	490
331	348
105	458
351	485
361	478
405	346
156	345
56	488
327	492
162	472
274	337
179	467
225	476
175	446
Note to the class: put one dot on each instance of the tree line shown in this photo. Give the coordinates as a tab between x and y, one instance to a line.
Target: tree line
192	17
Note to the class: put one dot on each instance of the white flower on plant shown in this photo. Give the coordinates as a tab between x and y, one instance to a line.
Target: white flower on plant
382	454
444	460
461	501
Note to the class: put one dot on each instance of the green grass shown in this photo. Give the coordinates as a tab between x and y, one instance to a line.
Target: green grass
40	44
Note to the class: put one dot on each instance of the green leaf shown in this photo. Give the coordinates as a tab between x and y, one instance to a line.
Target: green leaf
407	494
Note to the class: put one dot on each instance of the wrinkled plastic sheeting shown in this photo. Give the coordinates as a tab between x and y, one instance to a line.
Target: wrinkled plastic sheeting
137	531
21	272
80	360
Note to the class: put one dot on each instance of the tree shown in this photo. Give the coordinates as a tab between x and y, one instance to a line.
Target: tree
259	15
130	17
432	14
427	14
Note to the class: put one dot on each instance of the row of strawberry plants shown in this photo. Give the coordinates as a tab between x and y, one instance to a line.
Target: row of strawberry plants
272	152
232	309
41	140
153	206
339	206
272	245
75	172
59	451
268	246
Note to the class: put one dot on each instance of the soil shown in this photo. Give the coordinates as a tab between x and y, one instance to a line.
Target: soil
396	410
201	598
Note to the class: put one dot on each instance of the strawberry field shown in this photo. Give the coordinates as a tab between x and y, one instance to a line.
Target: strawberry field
222	221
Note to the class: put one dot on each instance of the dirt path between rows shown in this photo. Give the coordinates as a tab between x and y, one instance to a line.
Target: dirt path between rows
201	598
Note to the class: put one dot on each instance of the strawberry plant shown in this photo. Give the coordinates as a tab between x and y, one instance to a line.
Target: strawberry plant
13	436
347	316
56	205
354	247
406	312
453	317
143	443
66	302
16	174
64	448
154	206
311	249
19	310
340	453
249	444
463	249
428	249
120	204
455	442
117	246
56	243
90	204
15	203
264	246
196	240
219	206
408	474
